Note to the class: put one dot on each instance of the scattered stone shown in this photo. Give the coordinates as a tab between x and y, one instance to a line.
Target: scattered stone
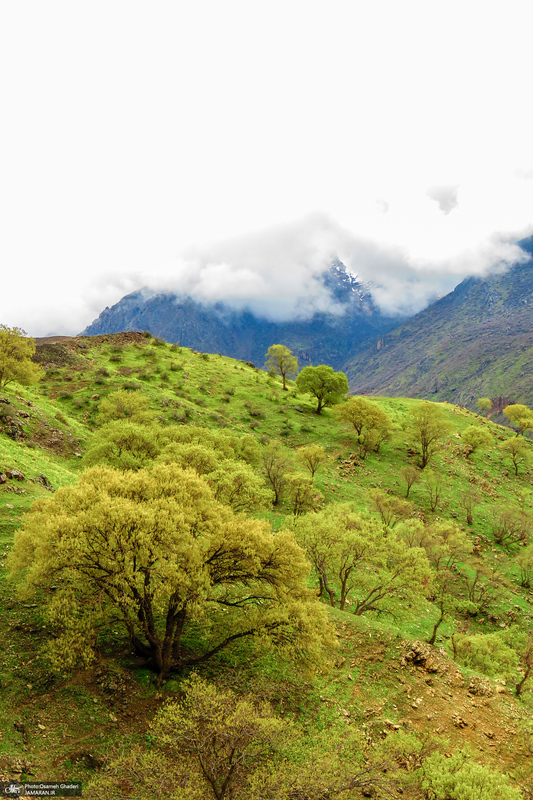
113	718
459	722
480	687
392	725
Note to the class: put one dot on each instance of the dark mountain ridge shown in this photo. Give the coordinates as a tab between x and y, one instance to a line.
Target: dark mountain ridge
323	338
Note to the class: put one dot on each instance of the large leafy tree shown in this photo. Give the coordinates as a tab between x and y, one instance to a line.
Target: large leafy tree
16	351
155	551
281	360
328	386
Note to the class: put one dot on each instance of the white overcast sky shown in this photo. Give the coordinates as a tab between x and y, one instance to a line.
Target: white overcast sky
231	148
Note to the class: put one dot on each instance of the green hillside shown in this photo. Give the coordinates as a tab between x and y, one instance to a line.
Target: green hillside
475	342
375	710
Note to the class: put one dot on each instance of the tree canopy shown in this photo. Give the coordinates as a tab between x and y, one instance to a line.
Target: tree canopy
371	423
16	352
521	416
328	386
360	561
155	550
281	360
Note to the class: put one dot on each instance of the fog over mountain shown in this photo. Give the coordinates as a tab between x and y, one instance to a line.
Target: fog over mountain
277	274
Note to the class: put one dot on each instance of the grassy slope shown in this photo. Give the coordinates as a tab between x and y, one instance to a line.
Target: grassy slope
475	342
59	727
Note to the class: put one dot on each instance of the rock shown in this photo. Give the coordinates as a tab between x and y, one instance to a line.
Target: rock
15	474
43	481
14	430
3	477
420	655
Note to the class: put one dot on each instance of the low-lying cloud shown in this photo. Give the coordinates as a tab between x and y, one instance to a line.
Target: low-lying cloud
278	273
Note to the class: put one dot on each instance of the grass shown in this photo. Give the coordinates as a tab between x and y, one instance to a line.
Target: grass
365	683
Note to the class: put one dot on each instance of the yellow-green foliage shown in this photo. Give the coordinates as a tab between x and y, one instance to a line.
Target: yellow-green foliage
461	778
123	445
16	351
519	415
428	428
128	405
311	457
158	550
488	653
476	438
359	560
226	736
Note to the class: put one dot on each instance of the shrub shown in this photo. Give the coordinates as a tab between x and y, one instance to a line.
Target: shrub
461	778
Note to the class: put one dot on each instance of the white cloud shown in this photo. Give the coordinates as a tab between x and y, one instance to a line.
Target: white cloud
132	133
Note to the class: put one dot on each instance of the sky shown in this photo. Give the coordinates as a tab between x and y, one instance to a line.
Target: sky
232	149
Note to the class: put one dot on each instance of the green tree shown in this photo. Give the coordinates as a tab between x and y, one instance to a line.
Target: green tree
156	551
277	466
410	475
358	560
16	352
433	487
228	736
524	562
468	500
122	404
484	404
391	509
521	416
372	425
510	525
428	428
446	545
517	450
476	438
302	494
328	386
312	456
281	360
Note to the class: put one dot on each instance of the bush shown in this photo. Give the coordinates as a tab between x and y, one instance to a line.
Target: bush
487	653
461	778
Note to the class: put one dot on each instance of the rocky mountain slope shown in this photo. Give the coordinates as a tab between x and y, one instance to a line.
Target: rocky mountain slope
323	338
475	342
